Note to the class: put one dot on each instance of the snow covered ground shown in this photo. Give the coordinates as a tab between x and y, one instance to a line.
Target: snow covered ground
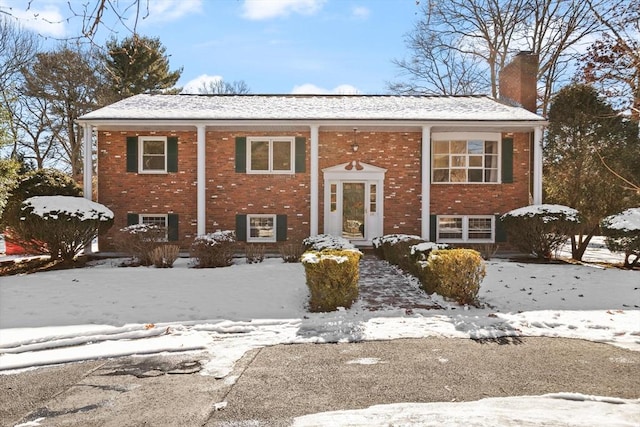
104	310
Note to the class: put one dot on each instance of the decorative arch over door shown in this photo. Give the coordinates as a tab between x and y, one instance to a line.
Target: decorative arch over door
354	201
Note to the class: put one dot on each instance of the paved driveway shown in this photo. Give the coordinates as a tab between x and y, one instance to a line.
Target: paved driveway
272	385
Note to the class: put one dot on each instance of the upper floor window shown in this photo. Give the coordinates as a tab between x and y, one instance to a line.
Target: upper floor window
270	154
465	158
153	154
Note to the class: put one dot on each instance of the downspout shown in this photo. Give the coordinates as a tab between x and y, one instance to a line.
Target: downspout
314	185
425	209
537	165
201	181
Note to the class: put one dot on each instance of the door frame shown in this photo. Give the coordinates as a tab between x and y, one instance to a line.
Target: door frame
353	172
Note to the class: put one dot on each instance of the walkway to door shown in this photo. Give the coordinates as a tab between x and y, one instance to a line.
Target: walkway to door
384	286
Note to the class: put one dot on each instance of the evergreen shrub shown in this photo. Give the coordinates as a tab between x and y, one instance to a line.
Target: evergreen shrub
214	249
396	250
63	225
332	278
540	229
622	232
326	241
454	274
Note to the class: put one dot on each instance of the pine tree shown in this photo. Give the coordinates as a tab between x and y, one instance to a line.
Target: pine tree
137	65
585	133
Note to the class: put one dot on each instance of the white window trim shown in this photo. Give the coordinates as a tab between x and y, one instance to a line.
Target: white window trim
465	229
141	140
166	222
262	239
467	136
270	139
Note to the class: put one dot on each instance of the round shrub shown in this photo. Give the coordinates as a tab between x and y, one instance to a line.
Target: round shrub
454	274
540	229
622	233
332	278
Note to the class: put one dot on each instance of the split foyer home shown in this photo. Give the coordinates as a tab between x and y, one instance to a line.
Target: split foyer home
283	167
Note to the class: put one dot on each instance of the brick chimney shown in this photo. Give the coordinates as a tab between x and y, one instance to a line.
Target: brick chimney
518	81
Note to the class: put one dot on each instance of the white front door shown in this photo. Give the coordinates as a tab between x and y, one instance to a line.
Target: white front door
353	202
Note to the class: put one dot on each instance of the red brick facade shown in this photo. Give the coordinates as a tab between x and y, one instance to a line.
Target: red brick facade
229	193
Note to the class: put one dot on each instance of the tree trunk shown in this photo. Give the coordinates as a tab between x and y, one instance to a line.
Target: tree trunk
578	250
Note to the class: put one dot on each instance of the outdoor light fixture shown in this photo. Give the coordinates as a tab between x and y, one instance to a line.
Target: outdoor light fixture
355	145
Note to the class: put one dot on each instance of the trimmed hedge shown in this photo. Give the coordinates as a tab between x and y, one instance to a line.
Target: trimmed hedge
453	273
332	278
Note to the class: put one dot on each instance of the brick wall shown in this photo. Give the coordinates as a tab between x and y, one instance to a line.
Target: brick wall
229	193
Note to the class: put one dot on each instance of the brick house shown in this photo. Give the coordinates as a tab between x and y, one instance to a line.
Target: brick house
283	167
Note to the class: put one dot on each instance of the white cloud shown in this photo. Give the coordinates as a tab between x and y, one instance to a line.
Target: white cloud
266	9
311	89
194	86
171	10
361	12
43	18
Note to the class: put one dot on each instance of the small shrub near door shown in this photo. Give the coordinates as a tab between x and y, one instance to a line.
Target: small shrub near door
454	274
332	278
214	249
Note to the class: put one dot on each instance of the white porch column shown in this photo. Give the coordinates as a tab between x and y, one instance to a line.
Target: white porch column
426	181
314	186
201	181
87	182
87	179
537	165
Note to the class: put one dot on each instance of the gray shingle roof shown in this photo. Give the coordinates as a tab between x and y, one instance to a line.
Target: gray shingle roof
310	107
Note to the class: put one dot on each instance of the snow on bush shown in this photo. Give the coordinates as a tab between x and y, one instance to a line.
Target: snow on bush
214	249
64	224
622	233
139	241
540	229
326	241
427	247
392	239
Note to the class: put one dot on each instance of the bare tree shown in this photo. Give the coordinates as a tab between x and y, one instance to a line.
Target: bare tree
613	61
62	85
478	37
220	87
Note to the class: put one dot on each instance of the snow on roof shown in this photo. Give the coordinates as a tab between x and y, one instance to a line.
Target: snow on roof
51	206
310	107
629	220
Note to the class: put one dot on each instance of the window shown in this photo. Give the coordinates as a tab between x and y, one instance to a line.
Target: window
465	158
157	220
153	154
470	229
262	228
270	155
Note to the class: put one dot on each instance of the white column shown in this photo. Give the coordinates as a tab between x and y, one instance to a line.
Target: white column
426	181
201	181
314	186
87	182
537	165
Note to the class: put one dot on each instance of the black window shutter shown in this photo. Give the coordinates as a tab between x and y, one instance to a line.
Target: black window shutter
507	160
241	228
172	228
172	154
281	228
132	219
501	232
301	154
433	224
241	154
132	154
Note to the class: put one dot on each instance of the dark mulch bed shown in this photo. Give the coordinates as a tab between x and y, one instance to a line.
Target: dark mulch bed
34	265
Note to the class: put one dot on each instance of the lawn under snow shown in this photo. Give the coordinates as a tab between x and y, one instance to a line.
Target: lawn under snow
104	311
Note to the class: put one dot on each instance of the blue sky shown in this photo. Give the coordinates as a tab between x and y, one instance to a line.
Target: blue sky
274	46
